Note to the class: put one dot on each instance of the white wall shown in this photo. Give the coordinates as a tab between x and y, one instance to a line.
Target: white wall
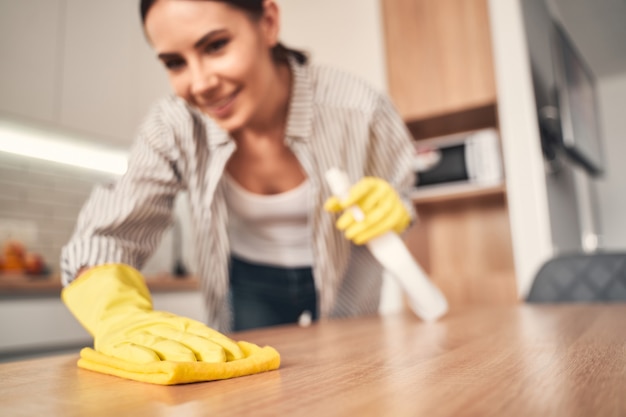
612	189
77	65
562	180
525	178
346	34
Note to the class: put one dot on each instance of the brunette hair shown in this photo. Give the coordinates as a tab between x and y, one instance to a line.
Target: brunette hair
254	8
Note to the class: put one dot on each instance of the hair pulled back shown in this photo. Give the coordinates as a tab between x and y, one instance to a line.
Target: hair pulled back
254	8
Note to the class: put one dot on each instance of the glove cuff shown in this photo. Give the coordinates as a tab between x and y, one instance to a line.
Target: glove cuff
103	289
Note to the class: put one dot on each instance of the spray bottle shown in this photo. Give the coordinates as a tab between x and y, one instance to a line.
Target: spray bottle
424	298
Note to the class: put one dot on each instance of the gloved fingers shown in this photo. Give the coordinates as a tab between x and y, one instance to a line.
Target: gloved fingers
174	327
168	350
383	193
359	191
374	207
230	347
203	349
345	220
380	204
370	233
333	205
377	214
165	349
389	216
391	222
130	352
401	217
376	221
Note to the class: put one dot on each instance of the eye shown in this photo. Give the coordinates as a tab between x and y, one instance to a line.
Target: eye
216	45
174	64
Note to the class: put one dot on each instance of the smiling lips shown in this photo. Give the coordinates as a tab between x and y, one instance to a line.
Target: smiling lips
222	107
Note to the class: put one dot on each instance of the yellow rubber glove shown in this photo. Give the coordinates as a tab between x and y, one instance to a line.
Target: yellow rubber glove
133	341
381	206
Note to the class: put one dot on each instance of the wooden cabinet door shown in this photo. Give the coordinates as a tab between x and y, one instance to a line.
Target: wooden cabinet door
439	57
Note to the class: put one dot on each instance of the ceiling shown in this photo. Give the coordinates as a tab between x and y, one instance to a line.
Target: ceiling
598	28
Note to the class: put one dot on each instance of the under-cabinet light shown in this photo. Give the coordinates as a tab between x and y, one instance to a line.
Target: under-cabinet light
50	146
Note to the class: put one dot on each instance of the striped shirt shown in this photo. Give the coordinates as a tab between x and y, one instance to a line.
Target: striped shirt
334	120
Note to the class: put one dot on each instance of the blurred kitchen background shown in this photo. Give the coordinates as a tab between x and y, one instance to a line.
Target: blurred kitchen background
77	77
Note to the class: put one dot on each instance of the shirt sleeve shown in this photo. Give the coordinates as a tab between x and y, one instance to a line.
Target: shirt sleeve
123	222
392	150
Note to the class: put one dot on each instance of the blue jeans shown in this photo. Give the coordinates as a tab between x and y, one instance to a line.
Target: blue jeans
264	295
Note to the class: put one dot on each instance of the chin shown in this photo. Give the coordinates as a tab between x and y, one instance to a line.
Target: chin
230	125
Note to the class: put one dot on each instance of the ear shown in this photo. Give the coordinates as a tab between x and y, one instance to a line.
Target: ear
270	22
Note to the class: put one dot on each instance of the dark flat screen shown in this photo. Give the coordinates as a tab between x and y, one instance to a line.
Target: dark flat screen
451	167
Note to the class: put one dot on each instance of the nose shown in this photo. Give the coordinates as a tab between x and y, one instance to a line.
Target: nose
203	79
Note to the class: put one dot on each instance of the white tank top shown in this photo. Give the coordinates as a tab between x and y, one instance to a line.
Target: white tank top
269	229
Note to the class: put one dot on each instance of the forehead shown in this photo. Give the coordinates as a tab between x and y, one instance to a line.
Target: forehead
171	24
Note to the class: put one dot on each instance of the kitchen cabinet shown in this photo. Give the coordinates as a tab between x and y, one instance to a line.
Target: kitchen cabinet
438	56
441	78
465	246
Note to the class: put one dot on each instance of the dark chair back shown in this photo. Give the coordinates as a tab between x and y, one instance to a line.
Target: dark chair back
581	278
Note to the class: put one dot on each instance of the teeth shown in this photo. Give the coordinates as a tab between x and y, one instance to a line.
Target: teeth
222	102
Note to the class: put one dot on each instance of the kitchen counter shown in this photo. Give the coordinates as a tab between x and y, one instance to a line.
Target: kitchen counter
17	284
525	360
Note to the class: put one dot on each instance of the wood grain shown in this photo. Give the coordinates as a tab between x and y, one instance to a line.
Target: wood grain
469	249
449	193
524	360
474	118
439	58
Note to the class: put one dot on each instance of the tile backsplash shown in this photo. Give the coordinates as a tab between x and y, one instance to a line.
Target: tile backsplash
40	202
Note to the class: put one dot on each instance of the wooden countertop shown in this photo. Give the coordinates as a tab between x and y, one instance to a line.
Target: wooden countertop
527	360
20	285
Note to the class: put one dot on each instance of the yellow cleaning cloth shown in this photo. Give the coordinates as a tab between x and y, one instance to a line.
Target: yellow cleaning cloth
256	359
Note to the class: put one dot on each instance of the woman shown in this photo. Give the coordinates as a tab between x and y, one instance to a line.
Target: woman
249	134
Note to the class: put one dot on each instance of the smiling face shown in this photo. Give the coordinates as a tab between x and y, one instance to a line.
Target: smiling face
217	57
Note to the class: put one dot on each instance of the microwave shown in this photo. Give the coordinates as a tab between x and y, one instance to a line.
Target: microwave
465	158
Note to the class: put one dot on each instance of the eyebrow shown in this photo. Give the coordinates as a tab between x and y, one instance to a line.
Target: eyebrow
199	43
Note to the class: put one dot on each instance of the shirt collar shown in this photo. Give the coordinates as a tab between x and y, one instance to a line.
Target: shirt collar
300	115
